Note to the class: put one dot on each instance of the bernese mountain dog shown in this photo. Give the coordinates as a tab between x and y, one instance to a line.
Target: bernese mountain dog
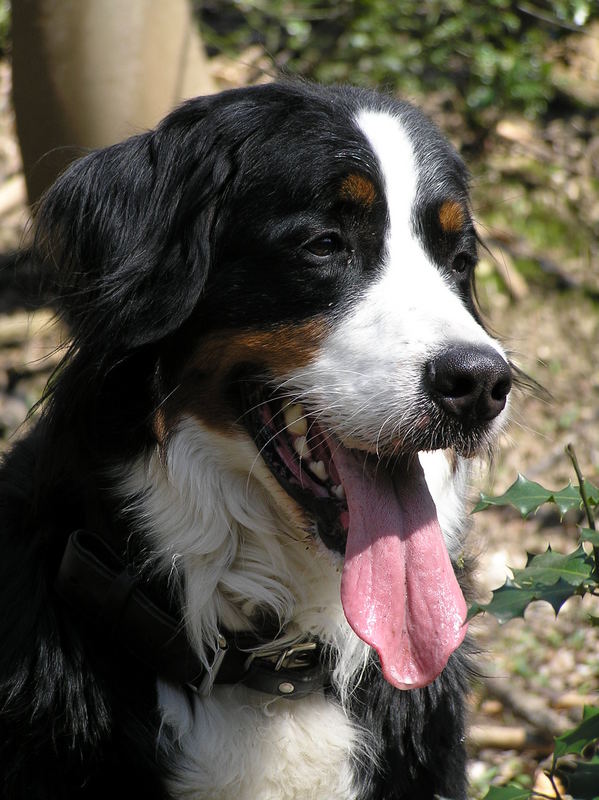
233	543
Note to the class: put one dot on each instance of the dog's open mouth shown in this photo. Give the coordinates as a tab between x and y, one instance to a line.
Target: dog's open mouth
300	456
398	589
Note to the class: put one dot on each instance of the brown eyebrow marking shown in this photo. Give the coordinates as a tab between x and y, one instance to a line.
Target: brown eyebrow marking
452	216
359	189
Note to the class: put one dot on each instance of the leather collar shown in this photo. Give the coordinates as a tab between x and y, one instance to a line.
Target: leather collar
99	586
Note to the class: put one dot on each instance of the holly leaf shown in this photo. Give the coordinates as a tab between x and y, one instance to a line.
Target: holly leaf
510	600
547	568
589	535
511	792
582	782
592	493
527	496
567	498
524	495
578	739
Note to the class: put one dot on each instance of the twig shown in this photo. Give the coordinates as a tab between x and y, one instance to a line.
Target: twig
520	249
526	706
543	16
583	491
502	737
551	775
585	500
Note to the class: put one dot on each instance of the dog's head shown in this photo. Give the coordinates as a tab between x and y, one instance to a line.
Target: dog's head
296	265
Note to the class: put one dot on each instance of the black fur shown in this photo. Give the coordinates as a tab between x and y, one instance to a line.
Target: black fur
420	735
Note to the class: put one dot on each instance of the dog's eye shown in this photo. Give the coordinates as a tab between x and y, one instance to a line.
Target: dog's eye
323	246
462	263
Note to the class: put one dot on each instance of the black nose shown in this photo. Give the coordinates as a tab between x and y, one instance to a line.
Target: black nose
471	383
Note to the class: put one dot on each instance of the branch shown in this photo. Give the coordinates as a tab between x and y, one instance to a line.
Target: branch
546	722
585	500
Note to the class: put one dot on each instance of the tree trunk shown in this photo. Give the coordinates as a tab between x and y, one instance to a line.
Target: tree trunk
87	73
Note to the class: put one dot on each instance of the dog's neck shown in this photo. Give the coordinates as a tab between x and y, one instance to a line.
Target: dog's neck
217	528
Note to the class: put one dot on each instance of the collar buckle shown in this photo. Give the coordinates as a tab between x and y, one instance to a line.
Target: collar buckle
296	657
290	671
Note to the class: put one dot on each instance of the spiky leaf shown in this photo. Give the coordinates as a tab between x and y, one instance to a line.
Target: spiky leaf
592	493
510	600
589	535
547	568
578	739
511	792
524	495
583	781
567	498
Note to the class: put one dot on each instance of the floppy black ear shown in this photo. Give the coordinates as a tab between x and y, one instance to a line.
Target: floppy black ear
125	233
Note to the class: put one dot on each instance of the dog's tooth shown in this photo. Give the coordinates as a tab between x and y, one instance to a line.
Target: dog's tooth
295	420
339	492
300	445
318	468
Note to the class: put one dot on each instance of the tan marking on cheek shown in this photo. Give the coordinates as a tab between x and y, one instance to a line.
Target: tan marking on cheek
281	350
161	430
159	426
205	379
359	189
452	216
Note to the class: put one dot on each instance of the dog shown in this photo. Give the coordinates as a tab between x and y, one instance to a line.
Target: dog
234	559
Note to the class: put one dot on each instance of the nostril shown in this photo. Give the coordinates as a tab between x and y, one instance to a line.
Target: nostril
502	388
459	386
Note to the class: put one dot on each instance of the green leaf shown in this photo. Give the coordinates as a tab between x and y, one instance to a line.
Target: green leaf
511	792
524	495
567	498
510	601
592	493
576	740
589	535
583	781
548	567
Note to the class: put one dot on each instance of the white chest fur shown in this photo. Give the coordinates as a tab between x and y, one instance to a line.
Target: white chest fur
218	521
239	745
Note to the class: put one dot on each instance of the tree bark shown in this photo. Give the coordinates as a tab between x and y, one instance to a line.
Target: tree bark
87	73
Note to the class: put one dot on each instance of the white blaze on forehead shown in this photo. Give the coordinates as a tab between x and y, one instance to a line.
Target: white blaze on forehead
428	303
405	257
395	155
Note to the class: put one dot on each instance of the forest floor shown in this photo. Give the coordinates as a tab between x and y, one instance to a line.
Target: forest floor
536	199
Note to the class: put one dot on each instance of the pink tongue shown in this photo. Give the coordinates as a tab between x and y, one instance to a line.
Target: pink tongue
398	589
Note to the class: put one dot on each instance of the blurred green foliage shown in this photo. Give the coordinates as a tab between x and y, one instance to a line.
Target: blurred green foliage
491	55
4	26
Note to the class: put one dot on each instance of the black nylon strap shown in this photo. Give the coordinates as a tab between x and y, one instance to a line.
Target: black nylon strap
95	582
